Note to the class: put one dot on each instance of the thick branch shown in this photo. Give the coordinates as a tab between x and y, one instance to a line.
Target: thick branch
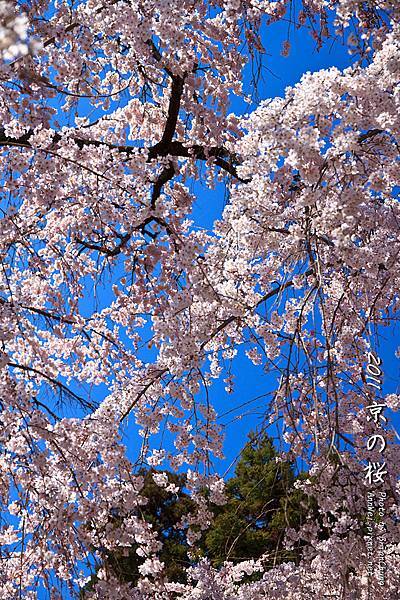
161	148
224	159
103	249
165	176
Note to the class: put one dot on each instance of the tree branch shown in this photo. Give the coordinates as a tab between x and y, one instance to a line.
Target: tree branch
53	381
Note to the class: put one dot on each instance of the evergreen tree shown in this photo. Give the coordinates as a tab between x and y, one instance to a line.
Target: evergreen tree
262	504
164	510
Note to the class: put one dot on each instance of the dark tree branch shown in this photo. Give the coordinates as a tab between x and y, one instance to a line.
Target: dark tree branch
161	148
159	374
61	386
223	158
126	238
369	134
103	249
281	288
166	175
271	294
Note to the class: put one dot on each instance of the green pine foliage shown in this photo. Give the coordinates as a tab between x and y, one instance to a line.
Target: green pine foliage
163	510
262	503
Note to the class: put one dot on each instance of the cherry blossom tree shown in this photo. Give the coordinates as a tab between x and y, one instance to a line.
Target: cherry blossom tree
109	112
